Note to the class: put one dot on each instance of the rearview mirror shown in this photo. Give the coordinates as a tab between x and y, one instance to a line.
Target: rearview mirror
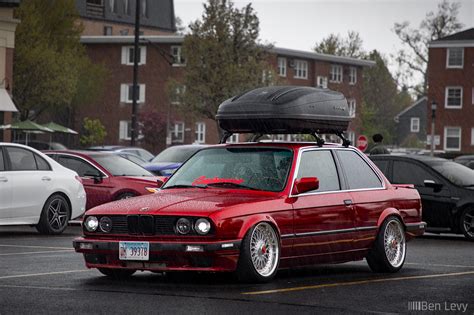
432	184
305	184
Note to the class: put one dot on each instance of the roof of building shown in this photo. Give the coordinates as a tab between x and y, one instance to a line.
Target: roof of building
418	102
458	39
9	3
178	39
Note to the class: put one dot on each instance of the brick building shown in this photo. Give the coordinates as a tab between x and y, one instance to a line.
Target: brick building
114	108
451	86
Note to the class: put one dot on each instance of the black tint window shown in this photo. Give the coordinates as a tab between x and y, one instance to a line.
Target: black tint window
359	174
77	165
410	173
320	164
382	165
21	159
42	164
2	163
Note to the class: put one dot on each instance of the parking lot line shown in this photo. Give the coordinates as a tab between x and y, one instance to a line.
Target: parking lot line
29	246
40	252
44	274
441	265
349	283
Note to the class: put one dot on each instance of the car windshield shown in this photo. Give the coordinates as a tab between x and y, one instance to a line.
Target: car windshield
119	166
175	154
456	173
246	168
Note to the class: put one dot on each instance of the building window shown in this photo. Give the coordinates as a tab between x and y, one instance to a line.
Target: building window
126	93
113	6
108	30
128	54
127	8
336	74
178	59
322	82
234	138
452	138
177	132
352	75
453	97
282	66
267	77
414	124
144	8
96	2
301	69
178	94
455	57
200	132
125	131
352	107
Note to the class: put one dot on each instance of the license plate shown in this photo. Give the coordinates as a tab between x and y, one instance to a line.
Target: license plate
134	250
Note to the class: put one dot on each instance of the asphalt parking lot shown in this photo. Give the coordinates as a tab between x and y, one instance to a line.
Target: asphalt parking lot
42	274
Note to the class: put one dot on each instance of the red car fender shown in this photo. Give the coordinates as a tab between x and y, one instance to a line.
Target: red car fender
255	219
388	212
125	191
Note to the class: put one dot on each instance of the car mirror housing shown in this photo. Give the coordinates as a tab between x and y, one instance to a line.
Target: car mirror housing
432	184
97	176
305	184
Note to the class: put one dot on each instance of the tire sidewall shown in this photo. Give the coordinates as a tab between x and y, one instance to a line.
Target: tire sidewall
44	225
461	223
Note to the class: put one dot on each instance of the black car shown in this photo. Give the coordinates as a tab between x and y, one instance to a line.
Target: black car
467	160
446	189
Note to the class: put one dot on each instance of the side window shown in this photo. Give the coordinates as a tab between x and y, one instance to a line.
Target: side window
21	159
383	166
320	164
77	165
359	174
42	164
410	173
2	163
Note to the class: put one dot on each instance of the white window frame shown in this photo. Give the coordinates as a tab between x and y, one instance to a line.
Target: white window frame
415	124
126	55
472	136
234	138
352	106
352	75
281	61
448	53
200	132
446	93
335	74
126	97
446	139
301	69
125	130
179	90
113	6
178	56
322	82
178	128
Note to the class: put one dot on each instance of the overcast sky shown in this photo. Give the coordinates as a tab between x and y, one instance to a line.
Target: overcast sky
299	24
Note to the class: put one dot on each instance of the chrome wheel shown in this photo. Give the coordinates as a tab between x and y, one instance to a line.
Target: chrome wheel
264	249
57	214
468	223
394	243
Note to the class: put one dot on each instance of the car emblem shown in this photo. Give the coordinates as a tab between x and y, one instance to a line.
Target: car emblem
144	209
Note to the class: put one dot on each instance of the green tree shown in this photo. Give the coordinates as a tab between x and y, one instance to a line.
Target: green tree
224	56
51	71
93	132
335	44
413	58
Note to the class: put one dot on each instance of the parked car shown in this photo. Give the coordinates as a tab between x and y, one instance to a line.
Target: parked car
446	189
107	176
466	160
131	157
170	159
144	154
42	145
35	190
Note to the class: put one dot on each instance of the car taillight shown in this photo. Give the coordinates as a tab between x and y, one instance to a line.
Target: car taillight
78	179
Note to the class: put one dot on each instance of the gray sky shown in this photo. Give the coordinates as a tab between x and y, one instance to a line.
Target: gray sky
299	24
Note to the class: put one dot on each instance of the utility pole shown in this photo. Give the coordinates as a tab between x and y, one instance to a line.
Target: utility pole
135	92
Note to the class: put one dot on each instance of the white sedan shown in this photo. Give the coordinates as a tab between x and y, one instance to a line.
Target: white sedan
36	190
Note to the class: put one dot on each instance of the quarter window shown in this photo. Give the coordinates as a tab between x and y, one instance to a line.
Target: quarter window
282	66
320	164
358	173
453	97
336	74
301	69
414	124
452	138
41	163
455	58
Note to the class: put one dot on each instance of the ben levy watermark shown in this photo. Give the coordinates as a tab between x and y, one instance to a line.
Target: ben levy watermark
437	306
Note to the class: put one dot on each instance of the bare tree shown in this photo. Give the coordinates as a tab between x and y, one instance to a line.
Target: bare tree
334	44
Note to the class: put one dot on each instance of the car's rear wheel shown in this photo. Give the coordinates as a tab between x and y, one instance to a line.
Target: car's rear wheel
467	223
117	273
54	216
259	254
389	250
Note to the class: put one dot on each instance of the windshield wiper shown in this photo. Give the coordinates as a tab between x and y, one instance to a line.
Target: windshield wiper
232	184
186	186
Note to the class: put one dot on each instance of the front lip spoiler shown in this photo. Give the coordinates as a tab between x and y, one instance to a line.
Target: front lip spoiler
156	246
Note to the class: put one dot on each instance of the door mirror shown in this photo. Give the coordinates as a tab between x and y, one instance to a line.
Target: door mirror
432	184
97	176
305	184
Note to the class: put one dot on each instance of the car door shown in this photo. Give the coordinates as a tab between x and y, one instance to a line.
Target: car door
5	188
31	183
437	203
323	221
368	194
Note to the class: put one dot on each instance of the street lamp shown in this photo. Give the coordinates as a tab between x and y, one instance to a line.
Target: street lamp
433	116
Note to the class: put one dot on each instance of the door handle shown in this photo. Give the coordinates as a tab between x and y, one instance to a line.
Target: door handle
46	178
348	202
3	179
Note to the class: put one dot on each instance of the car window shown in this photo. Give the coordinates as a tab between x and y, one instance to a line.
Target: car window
2	163
382	165
119	166
410	173
41	163
176	154
21	159
81	167
320	164
455	173
359	174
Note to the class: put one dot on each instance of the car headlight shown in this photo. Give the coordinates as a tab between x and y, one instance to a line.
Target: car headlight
183	226
105	224
91	223
202	226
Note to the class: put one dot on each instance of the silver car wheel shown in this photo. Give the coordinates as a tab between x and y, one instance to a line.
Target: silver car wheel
394	243
264	249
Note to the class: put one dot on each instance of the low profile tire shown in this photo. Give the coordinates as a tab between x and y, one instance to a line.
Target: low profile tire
126	196
259	254
467	223
389	250
117	273
54	216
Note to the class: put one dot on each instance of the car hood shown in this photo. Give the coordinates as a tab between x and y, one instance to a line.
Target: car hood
194	202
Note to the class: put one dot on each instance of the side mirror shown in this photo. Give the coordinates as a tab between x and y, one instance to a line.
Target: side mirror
432	184
305	184
97	176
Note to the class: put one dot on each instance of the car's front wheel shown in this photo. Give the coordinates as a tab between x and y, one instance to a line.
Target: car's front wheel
125	196
117	273
54	216
389	250
259	254
467	223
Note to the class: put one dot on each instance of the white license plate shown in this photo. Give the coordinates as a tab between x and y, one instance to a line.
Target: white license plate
134	250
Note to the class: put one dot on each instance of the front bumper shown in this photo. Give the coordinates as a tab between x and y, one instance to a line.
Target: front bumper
164	255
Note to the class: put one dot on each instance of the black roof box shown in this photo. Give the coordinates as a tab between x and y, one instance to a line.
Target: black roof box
285	110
